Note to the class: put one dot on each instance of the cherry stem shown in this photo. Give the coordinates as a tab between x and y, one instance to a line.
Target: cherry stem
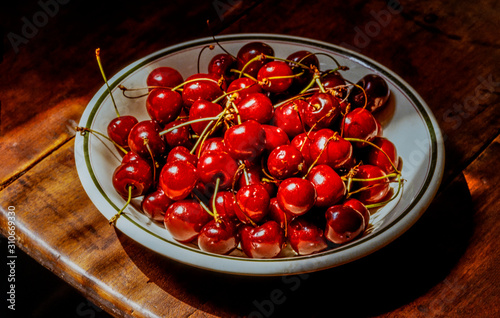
98	57
214	209
146	143
238	117
375	178
194	80
289	61
336	62
259	57
166	131
211	47
204	207
217	42
317	158
83	130
244	74
115	217
378	148
376	205
201	138
364	92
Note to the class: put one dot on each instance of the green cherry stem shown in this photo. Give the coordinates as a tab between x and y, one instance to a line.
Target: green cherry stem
214	197
115	217
98	57
376	205
378	148
84	130
166	131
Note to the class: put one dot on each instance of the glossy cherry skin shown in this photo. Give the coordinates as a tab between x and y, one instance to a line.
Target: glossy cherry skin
221	65
179	136
245	141
285	161
214	143
213	165
378	189
242	87
265	241
379	159
203	109
225	204
185	219
138	174
305	58
165	77
183	154
178	178
376	90
145	137
155	204
332	80
255	175
303	143
278	215
330	148
360	207
218	237
206	88
343	224
163	105
248	52
119	128
275	77
329	187
275	137
296	195
287	118
305	237
321	110
253	202
256	106
360	123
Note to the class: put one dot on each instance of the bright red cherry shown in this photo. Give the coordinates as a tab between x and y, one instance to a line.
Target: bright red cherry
203	109
253	202
376	90
119	128
243	86
183	154
287	118
185	219
213	165
376	190
331	149
359	123
379	159
343	224
275	77
145	140
221	65
155	204
296	195
321	110
278	215
256	106
245	141
275	137
178	178
285	161
255	175
179	136
218	237
225	204
265	241
249	51
303	143
134	175
329	187
305	237
206	87
163	105
165	77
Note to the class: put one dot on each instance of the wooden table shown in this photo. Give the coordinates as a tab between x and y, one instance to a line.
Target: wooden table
444	266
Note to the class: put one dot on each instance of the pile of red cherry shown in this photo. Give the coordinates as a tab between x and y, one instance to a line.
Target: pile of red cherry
258	153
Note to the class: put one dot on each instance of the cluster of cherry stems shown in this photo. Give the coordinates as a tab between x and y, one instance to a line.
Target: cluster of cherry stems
258	153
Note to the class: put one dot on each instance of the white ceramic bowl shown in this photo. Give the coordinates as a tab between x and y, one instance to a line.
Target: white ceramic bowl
408	123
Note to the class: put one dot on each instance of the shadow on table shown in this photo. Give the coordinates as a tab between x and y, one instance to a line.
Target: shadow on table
373	285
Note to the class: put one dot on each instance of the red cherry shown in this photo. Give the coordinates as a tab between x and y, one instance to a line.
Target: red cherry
275	77
359	123
256	106
136	174
249	51
203	109
144	139
285	161
379	159
296	195
179	136
287	118
376	90
305	58
360	207
377	189
343	224
225	204
332	80
275	137
265	241
253	202
213	165
155	204
211	144
303	143
182	153
278	215
119	128
305	237
329	187
206	88
165	77
331	149
243	86
163	105
185	219
320	111
178	179
245	141
218	237
221	65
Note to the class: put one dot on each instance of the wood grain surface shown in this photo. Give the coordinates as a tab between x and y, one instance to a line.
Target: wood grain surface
446	265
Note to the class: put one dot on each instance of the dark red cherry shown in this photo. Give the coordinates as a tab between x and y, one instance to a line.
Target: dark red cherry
182	153
329	187
303	143
305	58
275	77
203	109
185	219
287	118
332	80
378	158
179	136
177	179
155	204
245	141
218	237
285	161
213	165
296	195
278	215
221	65
331	149
144	139
163	105
275	137
256	106
136	174
359	123
206	88
360	207
225	204
321	110
305	237
248	52
377	190
119	128
243	86
376	90
165	77
253	202
265	241
343	224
